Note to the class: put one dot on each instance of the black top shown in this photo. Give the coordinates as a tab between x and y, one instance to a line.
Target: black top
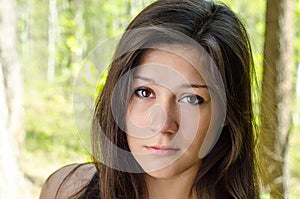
92	189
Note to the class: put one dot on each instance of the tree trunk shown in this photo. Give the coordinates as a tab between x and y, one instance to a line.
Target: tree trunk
277	95
52	38
11	99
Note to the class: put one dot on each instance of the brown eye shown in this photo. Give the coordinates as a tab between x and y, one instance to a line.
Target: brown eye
144	93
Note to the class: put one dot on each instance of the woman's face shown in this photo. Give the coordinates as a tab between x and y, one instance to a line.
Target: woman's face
169	112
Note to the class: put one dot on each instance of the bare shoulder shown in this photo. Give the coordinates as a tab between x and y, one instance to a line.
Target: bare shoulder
67	181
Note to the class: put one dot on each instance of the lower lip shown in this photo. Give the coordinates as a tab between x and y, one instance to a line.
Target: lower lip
162	151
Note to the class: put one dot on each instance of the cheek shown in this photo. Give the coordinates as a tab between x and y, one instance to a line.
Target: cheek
132	143
137	116
194	124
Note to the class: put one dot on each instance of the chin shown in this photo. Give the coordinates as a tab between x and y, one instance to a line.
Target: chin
166	172
161	174
176	169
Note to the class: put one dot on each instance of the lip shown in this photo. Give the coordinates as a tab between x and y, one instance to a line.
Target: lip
162	150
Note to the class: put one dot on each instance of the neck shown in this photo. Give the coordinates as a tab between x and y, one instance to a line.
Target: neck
175	187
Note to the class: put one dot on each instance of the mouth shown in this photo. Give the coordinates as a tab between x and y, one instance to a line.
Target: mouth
162	150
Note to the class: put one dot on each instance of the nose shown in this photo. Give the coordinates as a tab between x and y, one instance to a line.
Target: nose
165	116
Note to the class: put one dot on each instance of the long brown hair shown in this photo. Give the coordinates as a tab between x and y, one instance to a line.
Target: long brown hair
228	171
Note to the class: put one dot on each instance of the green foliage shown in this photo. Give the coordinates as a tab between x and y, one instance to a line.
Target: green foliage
49	119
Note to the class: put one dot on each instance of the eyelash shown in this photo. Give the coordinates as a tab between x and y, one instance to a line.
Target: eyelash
143	93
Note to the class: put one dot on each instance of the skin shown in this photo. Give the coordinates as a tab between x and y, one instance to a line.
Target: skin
161	135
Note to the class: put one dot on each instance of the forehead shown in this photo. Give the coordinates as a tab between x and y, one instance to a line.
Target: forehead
170	53
171	62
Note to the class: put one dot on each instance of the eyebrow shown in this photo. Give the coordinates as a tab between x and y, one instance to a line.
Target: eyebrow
144	78
194	86
182	86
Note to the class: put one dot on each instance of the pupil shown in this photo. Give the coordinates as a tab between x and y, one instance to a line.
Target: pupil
192	99
145	93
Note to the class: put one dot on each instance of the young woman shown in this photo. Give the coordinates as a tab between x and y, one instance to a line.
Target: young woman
174	119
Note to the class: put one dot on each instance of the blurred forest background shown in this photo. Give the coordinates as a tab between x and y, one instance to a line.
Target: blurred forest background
51	38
